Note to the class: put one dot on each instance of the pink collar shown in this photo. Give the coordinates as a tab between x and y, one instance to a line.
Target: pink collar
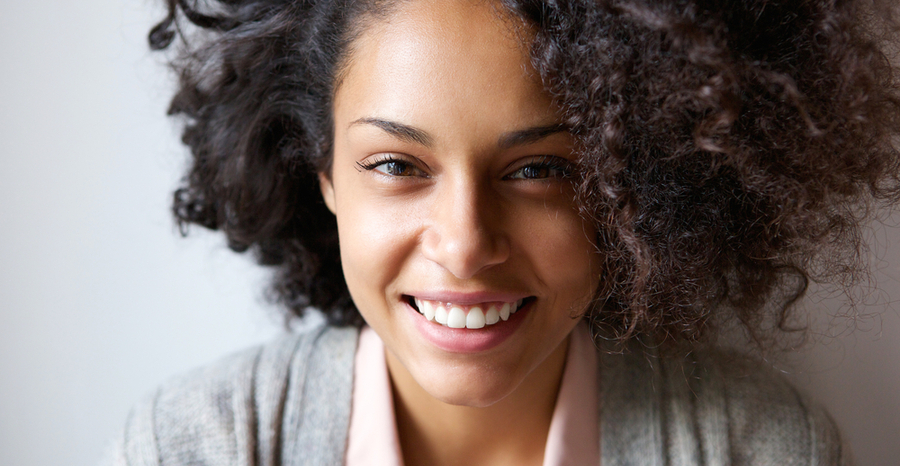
574	437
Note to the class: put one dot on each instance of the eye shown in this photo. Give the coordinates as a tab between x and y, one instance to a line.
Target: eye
390	165
541	168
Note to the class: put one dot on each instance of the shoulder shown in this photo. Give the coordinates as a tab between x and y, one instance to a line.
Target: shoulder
763	409
237	410
711	407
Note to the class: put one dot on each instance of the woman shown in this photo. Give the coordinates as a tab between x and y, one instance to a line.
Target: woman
481	187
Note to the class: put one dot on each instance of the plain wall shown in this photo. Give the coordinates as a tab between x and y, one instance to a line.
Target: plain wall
101	299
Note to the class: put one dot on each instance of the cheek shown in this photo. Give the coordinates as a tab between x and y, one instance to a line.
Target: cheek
375	242
560	244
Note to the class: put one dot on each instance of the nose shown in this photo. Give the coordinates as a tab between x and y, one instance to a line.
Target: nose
464	233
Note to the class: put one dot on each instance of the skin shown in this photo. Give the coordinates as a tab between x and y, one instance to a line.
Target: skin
446	178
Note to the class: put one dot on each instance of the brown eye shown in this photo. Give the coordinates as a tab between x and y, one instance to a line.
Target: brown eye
535	172
392	167
542	169
396	168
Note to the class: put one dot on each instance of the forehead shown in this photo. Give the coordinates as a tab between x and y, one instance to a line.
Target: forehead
456	59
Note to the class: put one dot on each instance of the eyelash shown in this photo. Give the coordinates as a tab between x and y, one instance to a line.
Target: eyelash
564	168
385	159
545	162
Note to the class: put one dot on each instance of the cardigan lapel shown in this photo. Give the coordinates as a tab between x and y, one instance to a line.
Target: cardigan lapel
630	415
317	417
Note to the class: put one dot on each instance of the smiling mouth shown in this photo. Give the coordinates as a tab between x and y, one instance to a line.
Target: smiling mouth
473	316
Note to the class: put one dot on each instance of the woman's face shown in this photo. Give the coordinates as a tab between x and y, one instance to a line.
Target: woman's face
452	202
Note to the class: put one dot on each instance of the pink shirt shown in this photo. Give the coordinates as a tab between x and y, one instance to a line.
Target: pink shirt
574	434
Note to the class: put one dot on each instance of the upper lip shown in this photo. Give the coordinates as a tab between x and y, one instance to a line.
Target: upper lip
468	297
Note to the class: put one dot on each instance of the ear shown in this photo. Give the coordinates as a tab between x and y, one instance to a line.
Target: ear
327	190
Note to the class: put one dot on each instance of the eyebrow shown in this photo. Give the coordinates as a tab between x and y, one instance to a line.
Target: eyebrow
399	130
415	135
529	135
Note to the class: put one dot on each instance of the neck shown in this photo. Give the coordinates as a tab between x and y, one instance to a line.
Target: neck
511	431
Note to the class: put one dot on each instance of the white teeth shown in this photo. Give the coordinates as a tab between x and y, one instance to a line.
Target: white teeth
492	316
440	315
475	318
516	307
427	310
456	318
504	311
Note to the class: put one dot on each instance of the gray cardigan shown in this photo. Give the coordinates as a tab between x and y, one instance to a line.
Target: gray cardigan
288	403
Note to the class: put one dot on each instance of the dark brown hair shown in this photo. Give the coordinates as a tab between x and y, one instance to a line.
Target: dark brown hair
729	151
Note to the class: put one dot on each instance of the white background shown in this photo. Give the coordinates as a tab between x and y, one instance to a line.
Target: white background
101	300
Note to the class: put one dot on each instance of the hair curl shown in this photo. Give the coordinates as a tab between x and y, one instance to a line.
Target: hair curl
730	151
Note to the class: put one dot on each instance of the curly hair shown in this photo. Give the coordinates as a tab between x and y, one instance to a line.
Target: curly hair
729	152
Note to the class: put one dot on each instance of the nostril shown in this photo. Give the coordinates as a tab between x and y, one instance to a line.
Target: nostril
464	239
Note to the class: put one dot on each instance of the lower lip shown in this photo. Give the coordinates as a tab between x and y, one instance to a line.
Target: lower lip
461	340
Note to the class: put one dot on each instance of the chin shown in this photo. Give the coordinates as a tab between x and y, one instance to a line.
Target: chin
472	387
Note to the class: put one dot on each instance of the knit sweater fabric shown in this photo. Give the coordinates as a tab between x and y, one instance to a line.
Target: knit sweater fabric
288	403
